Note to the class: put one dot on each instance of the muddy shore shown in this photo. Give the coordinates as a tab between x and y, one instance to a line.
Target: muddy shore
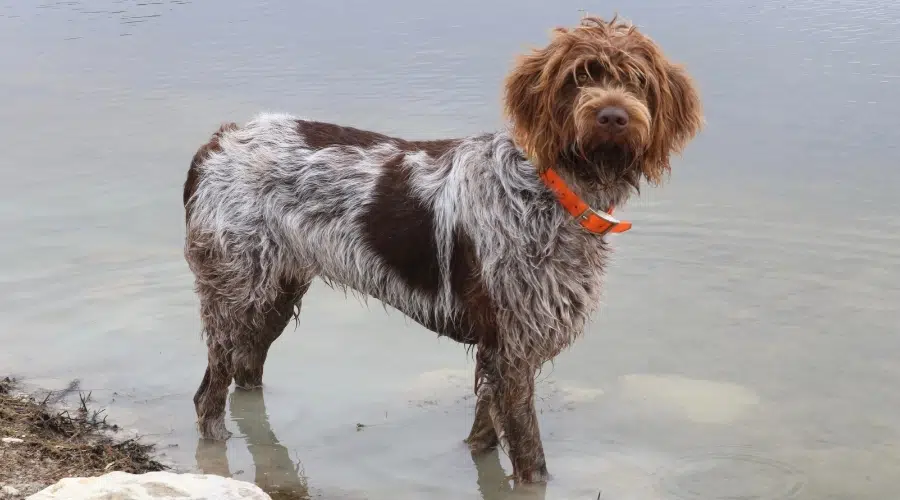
44	440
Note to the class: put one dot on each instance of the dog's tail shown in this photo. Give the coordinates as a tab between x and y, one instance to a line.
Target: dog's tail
194	172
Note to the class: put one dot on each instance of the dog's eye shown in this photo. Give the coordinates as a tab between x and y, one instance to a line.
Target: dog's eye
581	78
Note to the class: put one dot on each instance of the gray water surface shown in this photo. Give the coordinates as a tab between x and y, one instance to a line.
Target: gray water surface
748	346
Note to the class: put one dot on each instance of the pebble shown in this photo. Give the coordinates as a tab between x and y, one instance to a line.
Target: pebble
9	491
12	440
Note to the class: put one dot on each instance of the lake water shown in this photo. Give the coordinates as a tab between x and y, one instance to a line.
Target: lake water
748	347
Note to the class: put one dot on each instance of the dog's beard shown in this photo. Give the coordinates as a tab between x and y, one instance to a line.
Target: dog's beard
604	166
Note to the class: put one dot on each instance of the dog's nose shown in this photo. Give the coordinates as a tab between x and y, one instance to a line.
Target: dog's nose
613	118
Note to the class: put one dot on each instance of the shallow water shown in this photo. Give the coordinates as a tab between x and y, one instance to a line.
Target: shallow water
748	344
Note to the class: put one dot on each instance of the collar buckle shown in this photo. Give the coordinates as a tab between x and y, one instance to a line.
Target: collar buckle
611	222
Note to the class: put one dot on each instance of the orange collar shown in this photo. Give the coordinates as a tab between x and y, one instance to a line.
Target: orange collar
590	219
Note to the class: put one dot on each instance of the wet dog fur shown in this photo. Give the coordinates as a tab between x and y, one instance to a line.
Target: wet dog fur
461	234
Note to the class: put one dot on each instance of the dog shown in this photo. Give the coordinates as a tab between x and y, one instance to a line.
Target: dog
497	241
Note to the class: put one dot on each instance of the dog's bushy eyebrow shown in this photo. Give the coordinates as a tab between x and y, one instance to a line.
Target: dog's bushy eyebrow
591	66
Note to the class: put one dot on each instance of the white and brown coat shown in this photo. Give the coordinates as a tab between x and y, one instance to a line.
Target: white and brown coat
461	235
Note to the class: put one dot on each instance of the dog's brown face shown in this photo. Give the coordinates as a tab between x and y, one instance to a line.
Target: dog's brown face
603	100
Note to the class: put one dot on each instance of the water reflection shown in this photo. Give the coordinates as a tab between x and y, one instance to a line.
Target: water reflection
494	483
281	476
276	473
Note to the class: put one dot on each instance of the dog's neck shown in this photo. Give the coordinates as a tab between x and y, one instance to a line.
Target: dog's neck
602	185
612	190
588	200
607	178
595	221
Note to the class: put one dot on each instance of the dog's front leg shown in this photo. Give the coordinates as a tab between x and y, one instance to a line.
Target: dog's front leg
514	399
484	435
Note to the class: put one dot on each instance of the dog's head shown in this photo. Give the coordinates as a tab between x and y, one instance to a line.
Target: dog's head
602	100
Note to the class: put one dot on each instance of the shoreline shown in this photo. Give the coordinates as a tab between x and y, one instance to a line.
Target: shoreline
43	441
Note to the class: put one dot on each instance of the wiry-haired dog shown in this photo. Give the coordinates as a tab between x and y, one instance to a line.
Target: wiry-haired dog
494	240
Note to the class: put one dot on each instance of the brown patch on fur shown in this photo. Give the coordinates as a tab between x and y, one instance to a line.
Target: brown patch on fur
476	322
479	312
553	93
400	229
193	176
319	135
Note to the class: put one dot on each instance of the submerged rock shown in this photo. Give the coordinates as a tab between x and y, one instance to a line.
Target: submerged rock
151	486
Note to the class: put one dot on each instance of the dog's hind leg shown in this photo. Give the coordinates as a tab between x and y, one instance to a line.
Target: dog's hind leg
240	323
249	357
219	324
237	339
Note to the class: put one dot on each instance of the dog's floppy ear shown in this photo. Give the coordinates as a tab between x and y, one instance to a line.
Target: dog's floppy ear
677	119
687	112
528	99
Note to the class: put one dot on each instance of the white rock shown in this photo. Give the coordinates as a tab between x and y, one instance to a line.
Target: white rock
12	440
8	491
151	486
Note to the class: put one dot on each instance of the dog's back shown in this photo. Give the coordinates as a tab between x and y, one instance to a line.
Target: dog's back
281	199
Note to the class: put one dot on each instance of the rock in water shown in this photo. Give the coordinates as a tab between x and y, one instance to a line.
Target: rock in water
151	486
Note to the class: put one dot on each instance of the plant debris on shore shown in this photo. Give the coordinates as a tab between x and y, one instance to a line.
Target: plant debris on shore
58	443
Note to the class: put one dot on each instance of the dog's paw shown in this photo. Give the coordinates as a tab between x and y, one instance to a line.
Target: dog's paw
214	431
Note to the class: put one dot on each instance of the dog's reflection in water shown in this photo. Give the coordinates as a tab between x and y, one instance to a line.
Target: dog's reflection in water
494	483
276	473
279	476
